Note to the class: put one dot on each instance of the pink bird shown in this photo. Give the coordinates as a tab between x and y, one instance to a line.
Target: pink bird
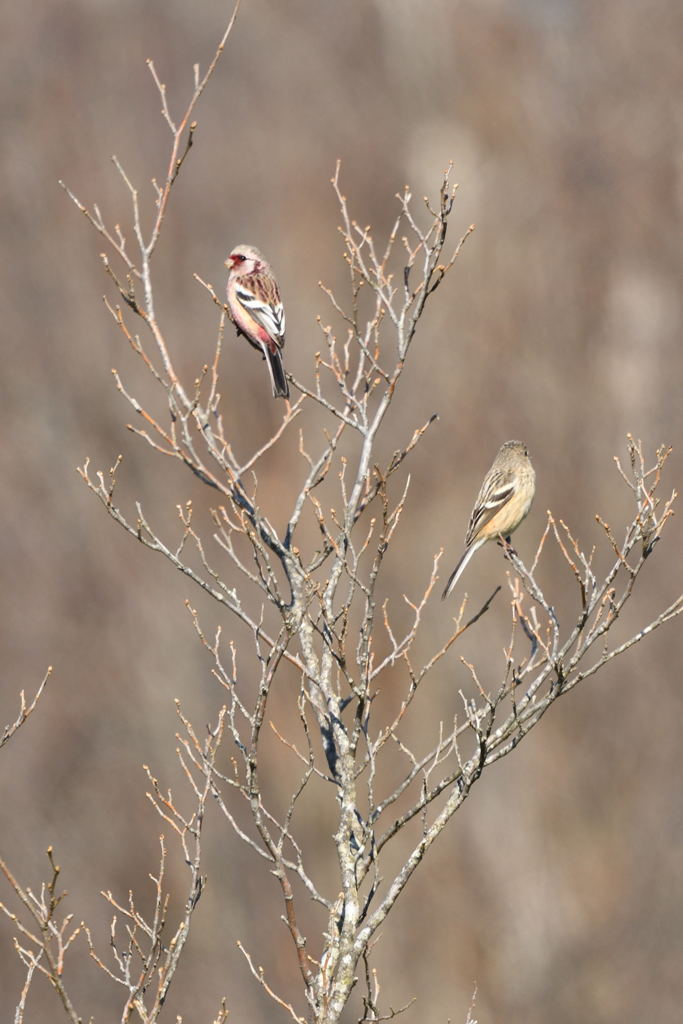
256	308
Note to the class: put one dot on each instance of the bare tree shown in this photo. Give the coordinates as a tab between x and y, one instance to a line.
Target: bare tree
26	709
308	595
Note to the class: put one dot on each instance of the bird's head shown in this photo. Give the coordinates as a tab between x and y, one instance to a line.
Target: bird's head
245	259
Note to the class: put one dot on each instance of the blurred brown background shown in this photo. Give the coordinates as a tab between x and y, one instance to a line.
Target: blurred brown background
558	891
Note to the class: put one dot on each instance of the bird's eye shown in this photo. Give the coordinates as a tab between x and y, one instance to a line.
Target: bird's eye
240	257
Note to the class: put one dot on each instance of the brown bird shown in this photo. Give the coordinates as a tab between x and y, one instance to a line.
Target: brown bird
502	503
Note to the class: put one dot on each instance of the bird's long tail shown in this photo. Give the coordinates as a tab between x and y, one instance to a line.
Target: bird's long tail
276	369
277	372
457	572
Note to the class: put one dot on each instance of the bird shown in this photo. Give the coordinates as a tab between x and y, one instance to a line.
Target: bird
257	311
502	503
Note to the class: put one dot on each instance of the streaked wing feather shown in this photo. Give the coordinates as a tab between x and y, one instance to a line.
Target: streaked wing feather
262	299
496	491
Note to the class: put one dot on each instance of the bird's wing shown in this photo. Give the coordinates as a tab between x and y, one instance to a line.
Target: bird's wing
496	491
260	296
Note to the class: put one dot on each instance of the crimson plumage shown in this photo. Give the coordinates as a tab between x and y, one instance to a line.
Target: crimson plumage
257	311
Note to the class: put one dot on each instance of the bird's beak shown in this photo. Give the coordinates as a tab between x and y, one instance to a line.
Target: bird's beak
229	263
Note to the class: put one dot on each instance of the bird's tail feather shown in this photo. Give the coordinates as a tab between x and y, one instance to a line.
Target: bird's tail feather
457	572
277	373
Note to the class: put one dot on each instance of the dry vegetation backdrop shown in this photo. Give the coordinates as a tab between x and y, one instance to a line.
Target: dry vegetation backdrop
560	324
